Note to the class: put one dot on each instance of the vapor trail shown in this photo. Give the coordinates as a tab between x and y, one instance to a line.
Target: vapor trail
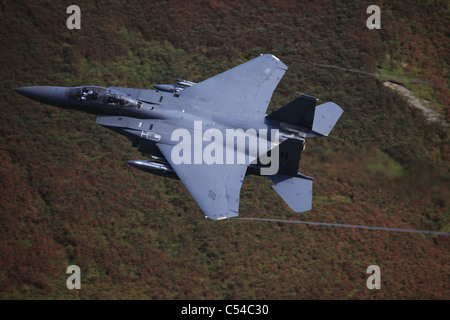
327	224
374	74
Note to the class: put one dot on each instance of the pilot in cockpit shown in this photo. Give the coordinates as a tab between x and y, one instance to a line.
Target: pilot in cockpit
88	94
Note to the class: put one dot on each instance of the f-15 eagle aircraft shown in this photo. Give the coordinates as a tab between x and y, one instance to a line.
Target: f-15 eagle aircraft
211	134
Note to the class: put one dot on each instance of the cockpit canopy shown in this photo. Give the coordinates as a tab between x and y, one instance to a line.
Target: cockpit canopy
100	95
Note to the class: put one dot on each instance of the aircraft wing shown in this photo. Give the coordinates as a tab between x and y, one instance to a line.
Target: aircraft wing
215	187
246	88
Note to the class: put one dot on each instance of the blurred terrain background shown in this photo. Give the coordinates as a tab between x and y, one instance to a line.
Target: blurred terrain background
68	197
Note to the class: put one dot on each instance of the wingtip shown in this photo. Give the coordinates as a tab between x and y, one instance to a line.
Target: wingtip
275	58
280	64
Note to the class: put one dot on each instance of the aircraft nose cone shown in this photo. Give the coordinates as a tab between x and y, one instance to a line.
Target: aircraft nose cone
38	93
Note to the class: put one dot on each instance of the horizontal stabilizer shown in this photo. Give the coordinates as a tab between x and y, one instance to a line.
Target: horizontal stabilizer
296	191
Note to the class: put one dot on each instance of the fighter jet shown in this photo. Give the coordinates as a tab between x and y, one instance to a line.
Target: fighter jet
211	134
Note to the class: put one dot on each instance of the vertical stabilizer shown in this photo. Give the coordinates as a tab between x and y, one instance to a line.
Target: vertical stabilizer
305	114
